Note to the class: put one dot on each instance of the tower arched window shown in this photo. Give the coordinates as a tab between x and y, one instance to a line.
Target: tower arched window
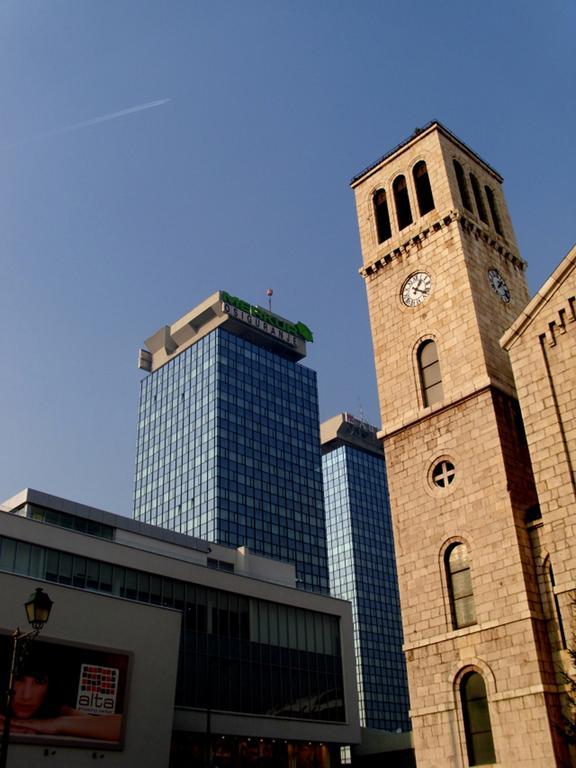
477	192
479	739
462	185
555	605
430	376
423	188
381	216
493	209
460	586
402	202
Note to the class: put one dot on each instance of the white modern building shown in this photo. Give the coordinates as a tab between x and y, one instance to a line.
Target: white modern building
165	650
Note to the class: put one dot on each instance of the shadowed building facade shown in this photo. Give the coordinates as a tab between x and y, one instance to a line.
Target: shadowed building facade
542	348
228	443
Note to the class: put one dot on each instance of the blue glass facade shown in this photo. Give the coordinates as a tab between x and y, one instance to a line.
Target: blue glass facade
363	570
228	450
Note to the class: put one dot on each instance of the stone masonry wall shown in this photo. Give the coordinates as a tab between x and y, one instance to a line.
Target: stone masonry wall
476	428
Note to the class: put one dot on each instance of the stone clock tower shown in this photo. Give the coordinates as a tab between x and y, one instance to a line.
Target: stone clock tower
444	281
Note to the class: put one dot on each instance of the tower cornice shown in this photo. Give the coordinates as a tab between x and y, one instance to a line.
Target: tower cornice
416	239
414	419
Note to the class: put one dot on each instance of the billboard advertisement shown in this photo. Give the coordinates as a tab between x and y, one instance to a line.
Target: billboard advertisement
67	694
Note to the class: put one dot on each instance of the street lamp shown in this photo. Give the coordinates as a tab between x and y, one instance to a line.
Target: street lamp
38	609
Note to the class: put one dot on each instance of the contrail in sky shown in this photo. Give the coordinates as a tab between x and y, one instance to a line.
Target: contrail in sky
96	120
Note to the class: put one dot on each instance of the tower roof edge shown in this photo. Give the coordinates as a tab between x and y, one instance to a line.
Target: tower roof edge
418	134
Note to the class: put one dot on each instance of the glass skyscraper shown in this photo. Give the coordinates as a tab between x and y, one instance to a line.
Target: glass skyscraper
228	445
363	568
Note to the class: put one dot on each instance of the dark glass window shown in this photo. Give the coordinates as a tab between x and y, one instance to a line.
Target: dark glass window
64	568
220	565
52	565
423	188
156	590
381	216
402	201
479	741
79	572
37	566
105	577
64	520
7	553
481	208
430	376
460	587
462	186
22	557
493	209
93	574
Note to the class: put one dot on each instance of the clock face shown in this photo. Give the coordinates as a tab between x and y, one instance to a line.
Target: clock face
498	285
416	289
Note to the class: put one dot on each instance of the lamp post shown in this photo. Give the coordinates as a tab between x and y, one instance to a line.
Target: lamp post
38	609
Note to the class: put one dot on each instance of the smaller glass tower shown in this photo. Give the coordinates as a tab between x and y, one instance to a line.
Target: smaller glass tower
363	568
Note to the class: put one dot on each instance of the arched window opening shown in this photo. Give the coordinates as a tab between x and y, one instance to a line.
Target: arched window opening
481	208
462	186
383	230
430	376
479	740
402	201
493	209
423	188
532	514
556	604
460	587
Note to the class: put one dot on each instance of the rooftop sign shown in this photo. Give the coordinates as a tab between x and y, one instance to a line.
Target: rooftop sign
264	320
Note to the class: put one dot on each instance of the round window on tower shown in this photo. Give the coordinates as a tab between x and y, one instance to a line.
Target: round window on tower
442	474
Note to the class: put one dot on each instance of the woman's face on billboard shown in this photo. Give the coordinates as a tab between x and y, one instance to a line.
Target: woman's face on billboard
29	695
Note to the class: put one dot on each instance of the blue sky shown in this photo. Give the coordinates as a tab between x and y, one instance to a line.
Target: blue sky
237	181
